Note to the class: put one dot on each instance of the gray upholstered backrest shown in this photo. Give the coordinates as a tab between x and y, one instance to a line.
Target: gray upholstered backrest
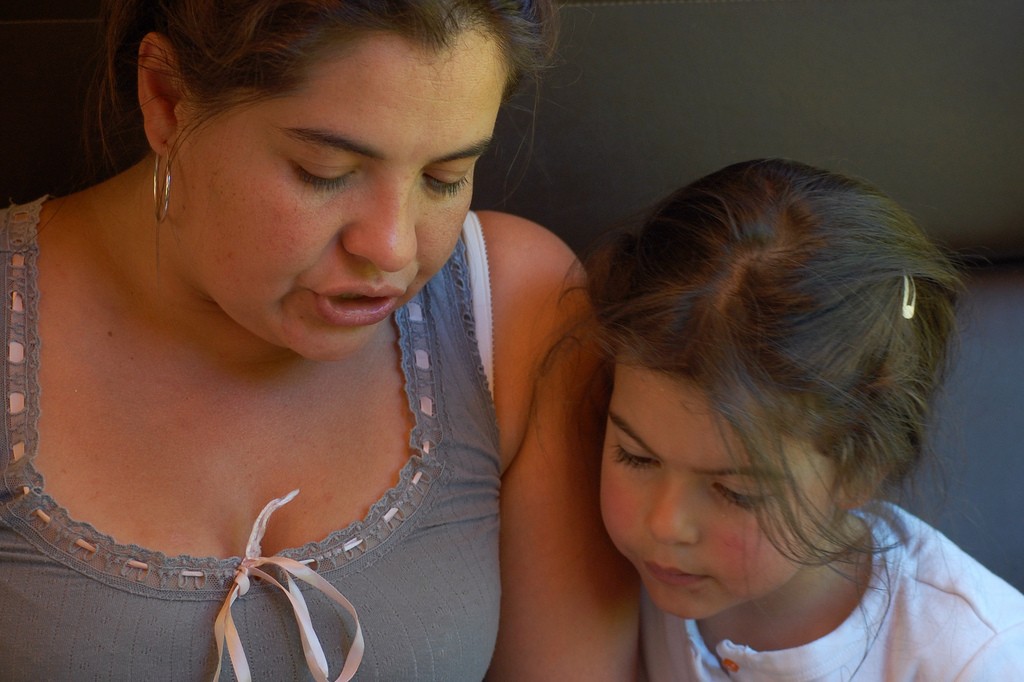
923	97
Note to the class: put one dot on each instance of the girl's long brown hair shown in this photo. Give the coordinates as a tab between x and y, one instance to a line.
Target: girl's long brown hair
777	289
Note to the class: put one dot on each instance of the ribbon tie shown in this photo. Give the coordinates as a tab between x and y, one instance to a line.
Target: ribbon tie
224	627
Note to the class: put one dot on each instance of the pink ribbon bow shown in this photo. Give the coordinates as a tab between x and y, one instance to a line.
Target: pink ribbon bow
224	627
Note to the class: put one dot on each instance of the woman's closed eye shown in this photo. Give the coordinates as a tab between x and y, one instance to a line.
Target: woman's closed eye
446	188
320	183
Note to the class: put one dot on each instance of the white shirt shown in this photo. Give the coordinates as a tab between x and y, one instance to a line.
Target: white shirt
931	613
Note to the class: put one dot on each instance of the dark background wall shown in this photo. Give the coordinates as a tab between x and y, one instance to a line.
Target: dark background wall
922	97
46	48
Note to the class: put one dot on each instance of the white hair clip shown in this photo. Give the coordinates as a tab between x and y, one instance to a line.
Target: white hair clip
909	297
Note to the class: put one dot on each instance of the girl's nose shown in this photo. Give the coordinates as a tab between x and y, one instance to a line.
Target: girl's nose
671	516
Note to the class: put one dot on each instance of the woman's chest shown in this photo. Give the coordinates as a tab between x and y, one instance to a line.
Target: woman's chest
436	556
185	471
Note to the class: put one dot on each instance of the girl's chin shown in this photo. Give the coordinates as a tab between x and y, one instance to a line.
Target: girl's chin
683	603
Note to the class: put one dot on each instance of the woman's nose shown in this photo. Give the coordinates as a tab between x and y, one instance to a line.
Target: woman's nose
384	232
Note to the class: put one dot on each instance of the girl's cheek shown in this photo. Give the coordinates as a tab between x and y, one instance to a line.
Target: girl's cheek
751	552
735	543
618	510
740	545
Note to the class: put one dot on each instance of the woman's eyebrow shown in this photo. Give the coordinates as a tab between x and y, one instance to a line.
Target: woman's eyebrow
326	138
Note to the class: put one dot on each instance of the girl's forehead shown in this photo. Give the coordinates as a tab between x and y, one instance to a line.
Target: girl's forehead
636	383
673	419
664	415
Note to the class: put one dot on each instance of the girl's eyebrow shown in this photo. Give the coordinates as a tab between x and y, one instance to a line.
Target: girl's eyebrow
325	138
624	426
753	472
763	473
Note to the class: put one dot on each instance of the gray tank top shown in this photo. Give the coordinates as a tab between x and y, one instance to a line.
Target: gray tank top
421	568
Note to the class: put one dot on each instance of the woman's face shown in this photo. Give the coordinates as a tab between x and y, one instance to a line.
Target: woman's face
308	219
679	505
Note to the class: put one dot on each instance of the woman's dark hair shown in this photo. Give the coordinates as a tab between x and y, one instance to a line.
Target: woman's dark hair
777	289
230	52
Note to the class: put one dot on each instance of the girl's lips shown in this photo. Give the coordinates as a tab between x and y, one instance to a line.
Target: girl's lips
672	577
359	311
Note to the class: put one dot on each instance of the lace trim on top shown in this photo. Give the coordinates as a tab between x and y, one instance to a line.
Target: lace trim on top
18	248
39	519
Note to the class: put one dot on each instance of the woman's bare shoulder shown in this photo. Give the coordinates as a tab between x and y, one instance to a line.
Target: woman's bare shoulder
515	243
551	532
533	276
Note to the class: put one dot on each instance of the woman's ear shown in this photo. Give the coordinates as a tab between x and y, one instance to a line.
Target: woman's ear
159	92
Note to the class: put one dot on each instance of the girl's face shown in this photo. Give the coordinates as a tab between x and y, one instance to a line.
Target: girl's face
678	505
309	218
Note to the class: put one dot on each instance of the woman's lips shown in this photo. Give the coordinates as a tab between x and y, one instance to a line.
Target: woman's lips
671	576
353	310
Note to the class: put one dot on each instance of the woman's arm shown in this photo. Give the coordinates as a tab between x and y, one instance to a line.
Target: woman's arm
568	608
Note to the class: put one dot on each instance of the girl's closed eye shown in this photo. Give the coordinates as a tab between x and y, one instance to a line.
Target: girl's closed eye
623	456
741	500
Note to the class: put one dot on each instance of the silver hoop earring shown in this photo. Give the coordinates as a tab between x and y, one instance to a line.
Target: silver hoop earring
161	199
